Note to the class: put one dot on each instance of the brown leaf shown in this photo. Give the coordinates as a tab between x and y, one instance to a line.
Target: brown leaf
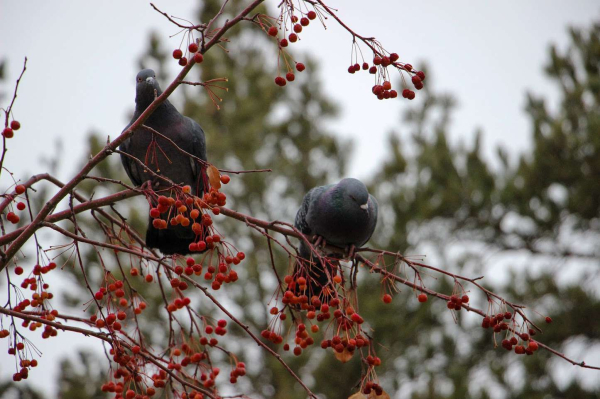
343	357
214	177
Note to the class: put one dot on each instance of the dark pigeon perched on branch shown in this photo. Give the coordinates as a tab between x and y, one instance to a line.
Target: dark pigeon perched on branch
342	214
162	157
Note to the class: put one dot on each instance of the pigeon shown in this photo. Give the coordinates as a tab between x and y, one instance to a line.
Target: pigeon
342	214
162	157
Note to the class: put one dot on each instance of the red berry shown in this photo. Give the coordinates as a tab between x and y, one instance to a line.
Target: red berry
311	15
405	93
394	57
297	28
304	21
222	323
20	189
279	81
193	47
408	67
416	80
422	298
99	296
548	319
393	94
198	58
177	54
8	133
21	206
290	77
387	85
365	66
533	346
293	37
411	95
225	179
421	75
297	351
154	213
18	270
15	125
377	60
373	70
300	67
272	31
183	61
351	69
464	299
283	42
387	298
294	19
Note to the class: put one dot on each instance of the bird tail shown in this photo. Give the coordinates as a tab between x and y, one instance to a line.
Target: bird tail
173	239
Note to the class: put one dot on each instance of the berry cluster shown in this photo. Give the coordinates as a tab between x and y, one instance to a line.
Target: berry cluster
187	210
12	216
288	22
456	302
191	52
9	131
39	303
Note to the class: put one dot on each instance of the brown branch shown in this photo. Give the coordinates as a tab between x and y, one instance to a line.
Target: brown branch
191	27
55	217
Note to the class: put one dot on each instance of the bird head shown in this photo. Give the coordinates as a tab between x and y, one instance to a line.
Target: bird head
147	87
356	191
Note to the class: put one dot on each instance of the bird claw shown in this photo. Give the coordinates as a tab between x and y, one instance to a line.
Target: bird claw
351	251
319	241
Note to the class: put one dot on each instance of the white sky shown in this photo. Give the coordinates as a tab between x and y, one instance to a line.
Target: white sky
83	60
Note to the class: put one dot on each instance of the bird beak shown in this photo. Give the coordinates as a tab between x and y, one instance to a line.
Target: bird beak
150	80
365	206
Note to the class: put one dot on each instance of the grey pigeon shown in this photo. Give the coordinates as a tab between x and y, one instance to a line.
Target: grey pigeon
342	214
159	155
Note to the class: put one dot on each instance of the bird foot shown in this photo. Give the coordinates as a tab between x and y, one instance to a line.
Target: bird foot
319	241
351	251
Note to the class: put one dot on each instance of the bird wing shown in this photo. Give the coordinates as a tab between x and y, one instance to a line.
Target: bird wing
301	222
130	166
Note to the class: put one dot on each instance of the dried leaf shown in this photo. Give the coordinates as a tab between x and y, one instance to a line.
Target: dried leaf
343	357
358	395
214	177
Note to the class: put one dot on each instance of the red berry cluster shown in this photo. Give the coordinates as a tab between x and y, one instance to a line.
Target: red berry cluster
295	27
238	371
191	52
383	88
11	216
187	210
19	350
9	131
349	345
371	387
521	342
456	302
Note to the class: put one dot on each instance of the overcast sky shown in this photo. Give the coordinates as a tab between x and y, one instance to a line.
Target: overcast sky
83	61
